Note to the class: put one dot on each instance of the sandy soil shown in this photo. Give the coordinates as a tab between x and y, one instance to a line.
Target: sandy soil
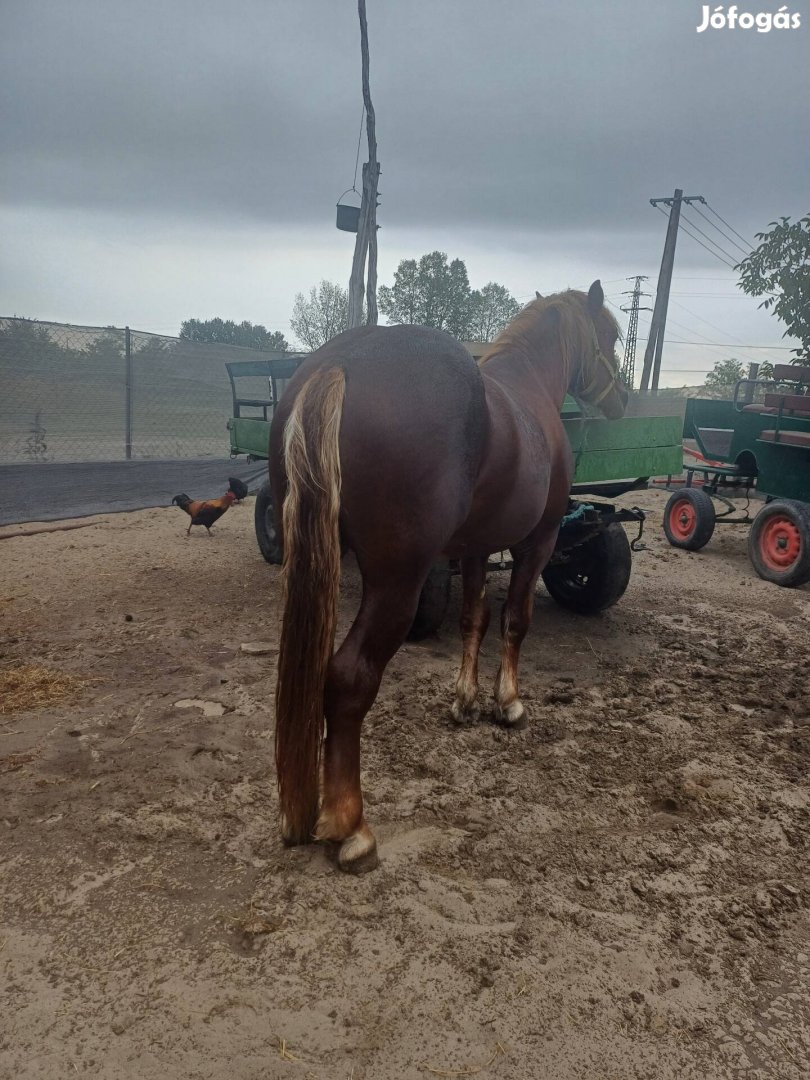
621	890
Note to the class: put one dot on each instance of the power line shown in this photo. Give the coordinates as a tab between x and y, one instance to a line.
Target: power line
714	243
719	258
705	341
726	237
733	339
688	329
696	239
683	227
736	344
688	277
727	345
700	318
727	224
706	296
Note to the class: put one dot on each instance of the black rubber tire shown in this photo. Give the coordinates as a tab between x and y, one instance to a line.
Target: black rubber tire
596	574
265	523
701	529
433	601
798	571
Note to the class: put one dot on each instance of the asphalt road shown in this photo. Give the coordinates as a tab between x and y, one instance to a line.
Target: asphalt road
34	492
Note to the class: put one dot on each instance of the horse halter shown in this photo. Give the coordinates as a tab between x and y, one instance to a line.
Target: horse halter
584	391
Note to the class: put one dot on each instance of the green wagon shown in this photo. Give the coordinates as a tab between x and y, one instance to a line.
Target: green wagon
590	568
743	447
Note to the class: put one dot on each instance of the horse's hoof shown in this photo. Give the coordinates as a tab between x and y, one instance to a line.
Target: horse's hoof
463	715
358	854
513	716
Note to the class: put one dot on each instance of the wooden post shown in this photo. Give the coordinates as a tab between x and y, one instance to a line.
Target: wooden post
128	394
371	280
366	242
655	342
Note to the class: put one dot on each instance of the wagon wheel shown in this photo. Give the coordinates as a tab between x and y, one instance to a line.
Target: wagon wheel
779	543
689	519
265	522
595	574
433	601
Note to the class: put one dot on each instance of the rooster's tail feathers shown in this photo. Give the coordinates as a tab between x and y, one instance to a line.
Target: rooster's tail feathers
237	487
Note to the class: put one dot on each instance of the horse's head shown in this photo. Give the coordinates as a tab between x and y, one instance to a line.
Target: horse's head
598	381
580	332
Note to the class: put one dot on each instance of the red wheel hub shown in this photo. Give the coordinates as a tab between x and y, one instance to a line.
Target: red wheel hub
780	543
682	519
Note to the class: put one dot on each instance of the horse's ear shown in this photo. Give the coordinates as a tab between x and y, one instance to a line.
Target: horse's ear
596	298
537	294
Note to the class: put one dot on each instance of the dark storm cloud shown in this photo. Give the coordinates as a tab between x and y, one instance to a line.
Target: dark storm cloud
532	116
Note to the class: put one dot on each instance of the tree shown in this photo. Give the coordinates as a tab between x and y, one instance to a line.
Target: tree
725	374
227	332
25	341
436	293
490	309
779	269
321	316
429	293
106	349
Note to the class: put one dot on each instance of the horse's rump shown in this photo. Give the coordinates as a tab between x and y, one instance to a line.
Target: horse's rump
412	435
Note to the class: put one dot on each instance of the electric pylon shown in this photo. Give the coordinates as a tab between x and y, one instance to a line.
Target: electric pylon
628	369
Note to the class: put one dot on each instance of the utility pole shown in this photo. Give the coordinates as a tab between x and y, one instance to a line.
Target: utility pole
366	243
628	371
655	342
128	393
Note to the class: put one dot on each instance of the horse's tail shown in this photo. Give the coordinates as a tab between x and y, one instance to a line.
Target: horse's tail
311	576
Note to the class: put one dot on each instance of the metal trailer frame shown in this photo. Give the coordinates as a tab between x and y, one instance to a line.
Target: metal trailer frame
750	450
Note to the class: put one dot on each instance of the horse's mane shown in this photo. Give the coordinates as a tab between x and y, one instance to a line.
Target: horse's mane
529	328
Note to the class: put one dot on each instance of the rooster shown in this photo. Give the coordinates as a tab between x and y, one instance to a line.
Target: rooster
205	512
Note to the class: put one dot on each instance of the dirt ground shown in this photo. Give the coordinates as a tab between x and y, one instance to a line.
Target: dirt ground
620	890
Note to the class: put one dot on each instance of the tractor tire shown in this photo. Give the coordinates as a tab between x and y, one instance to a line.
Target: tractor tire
779	543
265	523
595	575
689	519
433	601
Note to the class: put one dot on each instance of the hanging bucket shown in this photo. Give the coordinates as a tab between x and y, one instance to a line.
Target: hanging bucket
348	216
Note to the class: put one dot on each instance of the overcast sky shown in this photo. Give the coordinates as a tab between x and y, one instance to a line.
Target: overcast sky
182	158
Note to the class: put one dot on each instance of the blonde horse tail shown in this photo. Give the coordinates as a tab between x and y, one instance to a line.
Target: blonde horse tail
311	576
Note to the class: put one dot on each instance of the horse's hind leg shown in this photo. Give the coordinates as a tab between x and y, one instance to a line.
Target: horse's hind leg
474	623
516	617
355	671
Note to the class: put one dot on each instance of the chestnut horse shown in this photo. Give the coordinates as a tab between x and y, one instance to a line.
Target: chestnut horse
391	441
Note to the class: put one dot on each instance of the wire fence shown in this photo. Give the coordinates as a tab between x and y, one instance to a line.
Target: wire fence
91	393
